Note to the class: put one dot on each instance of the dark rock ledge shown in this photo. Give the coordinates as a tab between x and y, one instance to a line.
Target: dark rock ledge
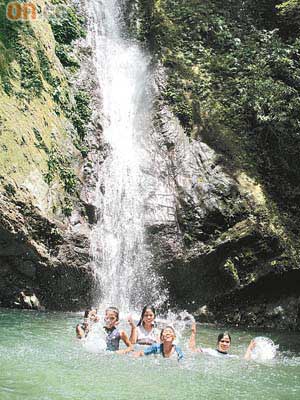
39	255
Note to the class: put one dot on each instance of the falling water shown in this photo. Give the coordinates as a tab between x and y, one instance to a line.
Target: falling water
122	261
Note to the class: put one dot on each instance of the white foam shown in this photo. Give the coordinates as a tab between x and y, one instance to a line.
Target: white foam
264	349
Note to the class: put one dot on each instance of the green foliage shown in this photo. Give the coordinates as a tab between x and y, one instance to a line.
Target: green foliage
60	166
46	68
235	81
10	189
67	25
177	96
67	207
5	60
16	40
30	75
64	53
40	142
82	113
61	95
83	148
290	7
256	98
289	12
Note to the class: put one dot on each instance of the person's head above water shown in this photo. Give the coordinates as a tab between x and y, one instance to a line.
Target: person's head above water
147	316
93	315
224	342
111	316
167	334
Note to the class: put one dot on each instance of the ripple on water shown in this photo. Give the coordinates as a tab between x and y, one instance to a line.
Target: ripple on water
42	360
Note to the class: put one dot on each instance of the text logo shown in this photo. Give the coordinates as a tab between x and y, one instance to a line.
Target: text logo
16	11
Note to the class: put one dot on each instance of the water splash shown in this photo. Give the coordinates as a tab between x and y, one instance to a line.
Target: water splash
264	349
179	320
122	261
95	341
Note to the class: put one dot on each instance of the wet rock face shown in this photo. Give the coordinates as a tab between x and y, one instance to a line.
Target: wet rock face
273	302
220	241
40	256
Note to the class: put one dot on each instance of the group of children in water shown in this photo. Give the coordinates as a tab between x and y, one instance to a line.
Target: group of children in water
150	339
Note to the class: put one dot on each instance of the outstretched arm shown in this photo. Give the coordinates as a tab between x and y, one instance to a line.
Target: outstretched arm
153	349
133	333
80	332
192	341
138	353
251	346
125	339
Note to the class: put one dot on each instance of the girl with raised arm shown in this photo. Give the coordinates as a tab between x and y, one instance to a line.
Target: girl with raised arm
223	346
144	333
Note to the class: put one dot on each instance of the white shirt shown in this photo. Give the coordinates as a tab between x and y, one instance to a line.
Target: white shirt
145	337
216	353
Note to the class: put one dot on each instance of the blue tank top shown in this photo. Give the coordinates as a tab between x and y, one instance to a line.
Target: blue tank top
113	338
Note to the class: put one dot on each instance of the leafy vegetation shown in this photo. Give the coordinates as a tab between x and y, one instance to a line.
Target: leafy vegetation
82	113
64	53
30	75
15	41
234	79
67	25
289	12
60	166
28	70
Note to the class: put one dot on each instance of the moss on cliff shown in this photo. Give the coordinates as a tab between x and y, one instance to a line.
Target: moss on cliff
38	107
233	81
43	123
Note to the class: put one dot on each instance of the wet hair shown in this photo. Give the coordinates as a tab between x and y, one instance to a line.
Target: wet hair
221	335
87	313
167	327
115	310
147	307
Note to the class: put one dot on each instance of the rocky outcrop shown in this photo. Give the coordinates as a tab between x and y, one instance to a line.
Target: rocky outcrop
222	255
271	302
40	255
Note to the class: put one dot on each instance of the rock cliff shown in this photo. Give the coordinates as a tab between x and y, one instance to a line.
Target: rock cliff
45	172
224	240
230	251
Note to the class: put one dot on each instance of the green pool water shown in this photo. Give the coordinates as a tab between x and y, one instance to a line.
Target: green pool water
42	360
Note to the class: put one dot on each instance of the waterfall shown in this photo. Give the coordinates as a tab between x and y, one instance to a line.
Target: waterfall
122	262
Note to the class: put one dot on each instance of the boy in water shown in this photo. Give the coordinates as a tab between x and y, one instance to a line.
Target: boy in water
166	348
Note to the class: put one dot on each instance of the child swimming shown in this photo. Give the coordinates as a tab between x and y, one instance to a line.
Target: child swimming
113	334
166	348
